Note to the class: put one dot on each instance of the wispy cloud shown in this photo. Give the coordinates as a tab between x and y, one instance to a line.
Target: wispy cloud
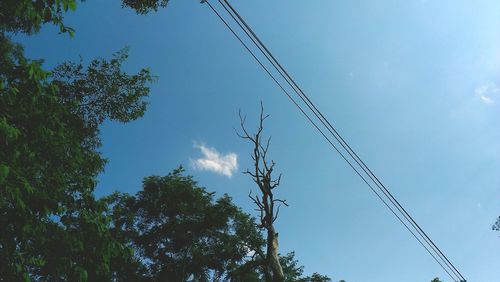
486	92
215	162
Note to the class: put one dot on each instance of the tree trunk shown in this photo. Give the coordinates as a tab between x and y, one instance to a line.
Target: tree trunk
272	255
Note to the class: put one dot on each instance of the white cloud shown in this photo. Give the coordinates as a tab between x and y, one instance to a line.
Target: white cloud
486	92
215	162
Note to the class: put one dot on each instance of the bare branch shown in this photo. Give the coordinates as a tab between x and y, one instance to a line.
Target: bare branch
246	135
249	173
275	183
281	201
256	201
241	136
277	212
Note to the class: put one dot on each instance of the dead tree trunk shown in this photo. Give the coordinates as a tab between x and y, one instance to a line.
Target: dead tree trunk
267	205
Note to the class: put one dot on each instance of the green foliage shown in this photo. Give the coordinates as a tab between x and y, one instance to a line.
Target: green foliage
436	280
102	90
52	227
145	6
28	16
293	272
316	277
4	172
290	266
179	231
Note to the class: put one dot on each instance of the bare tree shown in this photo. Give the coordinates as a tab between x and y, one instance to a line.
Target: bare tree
267	205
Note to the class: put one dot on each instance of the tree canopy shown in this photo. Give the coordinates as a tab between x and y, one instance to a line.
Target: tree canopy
179	232
26	16
49	131
52	226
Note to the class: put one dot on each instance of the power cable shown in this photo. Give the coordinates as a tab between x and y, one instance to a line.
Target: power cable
333	131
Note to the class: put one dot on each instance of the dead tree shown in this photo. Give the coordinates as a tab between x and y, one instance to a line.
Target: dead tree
267	205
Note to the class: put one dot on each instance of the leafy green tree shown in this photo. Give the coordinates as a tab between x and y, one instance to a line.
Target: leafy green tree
436	280
316	277
28	16
52	227
145	6
49	124
290	266
180	232
294	272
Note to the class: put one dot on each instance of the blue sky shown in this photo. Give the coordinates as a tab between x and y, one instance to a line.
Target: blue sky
412	85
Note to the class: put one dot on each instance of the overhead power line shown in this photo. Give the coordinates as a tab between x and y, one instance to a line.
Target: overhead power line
330	128
402	215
